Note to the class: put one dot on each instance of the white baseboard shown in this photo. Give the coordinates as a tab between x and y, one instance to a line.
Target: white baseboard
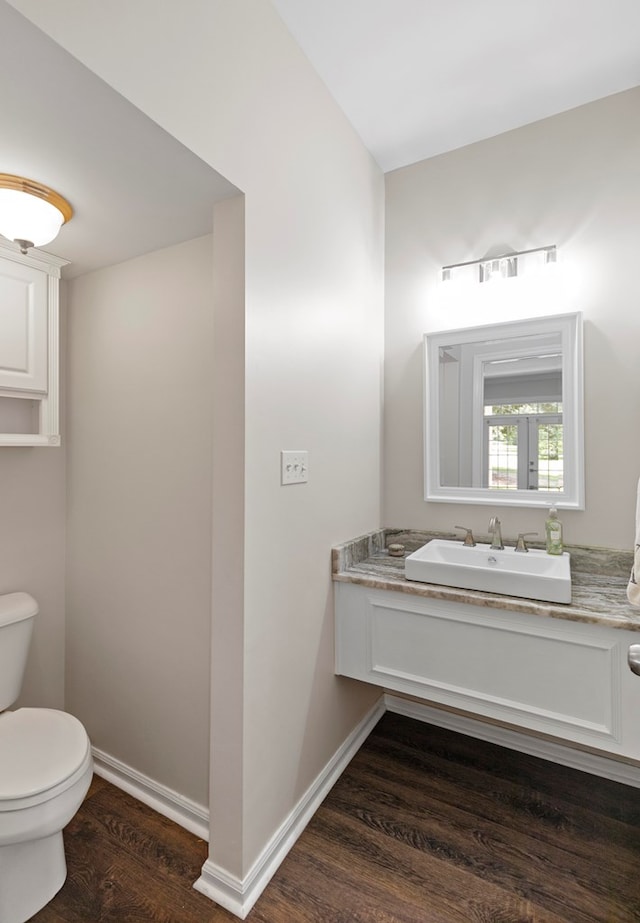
190	815
239	896
607	767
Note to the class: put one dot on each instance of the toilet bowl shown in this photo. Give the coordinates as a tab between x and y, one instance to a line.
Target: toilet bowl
45	772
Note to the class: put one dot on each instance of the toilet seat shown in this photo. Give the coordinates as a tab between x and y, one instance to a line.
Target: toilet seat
43	753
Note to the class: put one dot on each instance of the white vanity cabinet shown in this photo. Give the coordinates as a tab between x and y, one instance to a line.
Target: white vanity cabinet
29	347
566	679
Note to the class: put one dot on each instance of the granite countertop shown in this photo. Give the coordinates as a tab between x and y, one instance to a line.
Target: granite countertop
599	578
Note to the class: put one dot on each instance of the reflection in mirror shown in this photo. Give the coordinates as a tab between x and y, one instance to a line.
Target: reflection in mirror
504	413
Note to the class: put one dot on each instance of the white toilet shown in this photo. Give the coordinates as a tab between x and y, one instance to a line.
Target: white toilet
45	771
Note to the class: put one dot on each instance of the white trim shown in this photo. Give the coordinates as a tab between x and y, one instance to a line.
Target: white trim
604	766
37	259
569	326
189	814
239	896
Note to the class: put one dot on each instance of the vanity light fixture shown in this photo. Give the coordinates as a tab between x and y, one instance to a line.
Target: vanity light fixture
502	266
30	214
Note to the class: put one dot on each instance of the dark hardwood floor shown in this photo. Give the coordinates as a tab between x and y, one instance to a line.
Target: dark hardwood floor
425	826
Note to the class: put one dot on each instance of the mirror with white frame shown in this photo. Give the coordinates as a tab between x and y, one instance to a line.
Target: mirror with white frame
504	413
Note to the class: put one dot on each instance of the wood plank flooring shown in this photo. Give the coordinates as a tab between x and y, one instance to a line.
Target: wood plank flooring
424	826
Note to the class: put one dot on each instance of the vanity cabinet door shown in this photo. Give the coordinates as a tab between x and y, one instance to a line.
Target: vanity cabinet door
566	680
23	327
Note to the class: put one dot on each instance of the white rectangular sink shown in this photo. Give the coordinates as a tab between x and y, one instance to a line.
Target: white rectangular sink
531	575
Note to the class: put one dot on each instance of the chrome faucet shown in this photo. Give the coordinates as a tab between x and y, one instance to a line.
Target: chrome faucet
496	534
521	544
469	540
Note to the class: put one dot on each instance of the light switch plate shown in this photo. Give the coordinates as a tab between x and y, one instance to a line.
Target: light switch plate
294	467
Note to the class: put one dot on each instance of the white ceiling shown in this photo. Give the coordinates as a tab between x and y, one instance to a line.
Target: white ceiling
420	77
133	187
415	78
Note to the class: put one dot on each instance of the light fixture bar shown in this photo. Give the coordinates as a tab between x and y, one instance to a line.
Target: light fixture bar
550	257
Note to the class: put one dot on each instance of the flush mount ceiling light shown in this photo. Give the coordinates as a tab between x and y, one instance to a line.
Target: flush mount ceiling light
501	266
30	214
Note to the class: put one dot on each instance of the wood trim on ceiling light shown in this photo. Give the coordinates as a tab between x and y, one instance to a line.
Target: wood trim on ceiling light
31	187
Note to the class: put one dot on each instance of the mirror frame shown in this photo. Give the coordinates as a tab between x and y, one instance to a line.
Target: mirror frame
569	327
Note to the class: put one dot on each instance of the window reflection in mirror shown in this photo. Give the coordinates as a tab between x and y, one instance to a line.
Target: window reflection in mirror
504	413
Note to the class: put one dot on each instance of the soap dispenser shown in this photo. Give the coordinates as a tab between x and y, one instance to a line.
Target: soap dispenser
553	529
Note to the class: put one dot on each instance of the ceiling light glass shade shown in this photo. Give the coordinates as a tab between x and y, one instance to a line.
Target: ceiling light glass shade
30	214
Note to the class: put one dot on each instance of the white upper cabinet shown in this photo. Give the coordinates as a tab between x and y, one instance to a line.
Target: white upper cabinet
29	347
23	327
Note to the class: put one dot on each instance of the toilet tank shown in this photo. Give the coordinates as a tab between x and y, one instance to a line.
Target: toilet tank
17	612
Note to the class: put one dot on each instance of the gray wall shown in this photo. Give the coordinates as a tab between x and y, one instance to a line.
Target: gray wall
140	390
32	549
571	180
230	83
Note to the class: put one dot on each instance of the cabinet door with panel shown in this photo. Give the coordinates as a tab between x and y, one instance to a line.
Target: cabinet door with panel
564	679
23	327
29	345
